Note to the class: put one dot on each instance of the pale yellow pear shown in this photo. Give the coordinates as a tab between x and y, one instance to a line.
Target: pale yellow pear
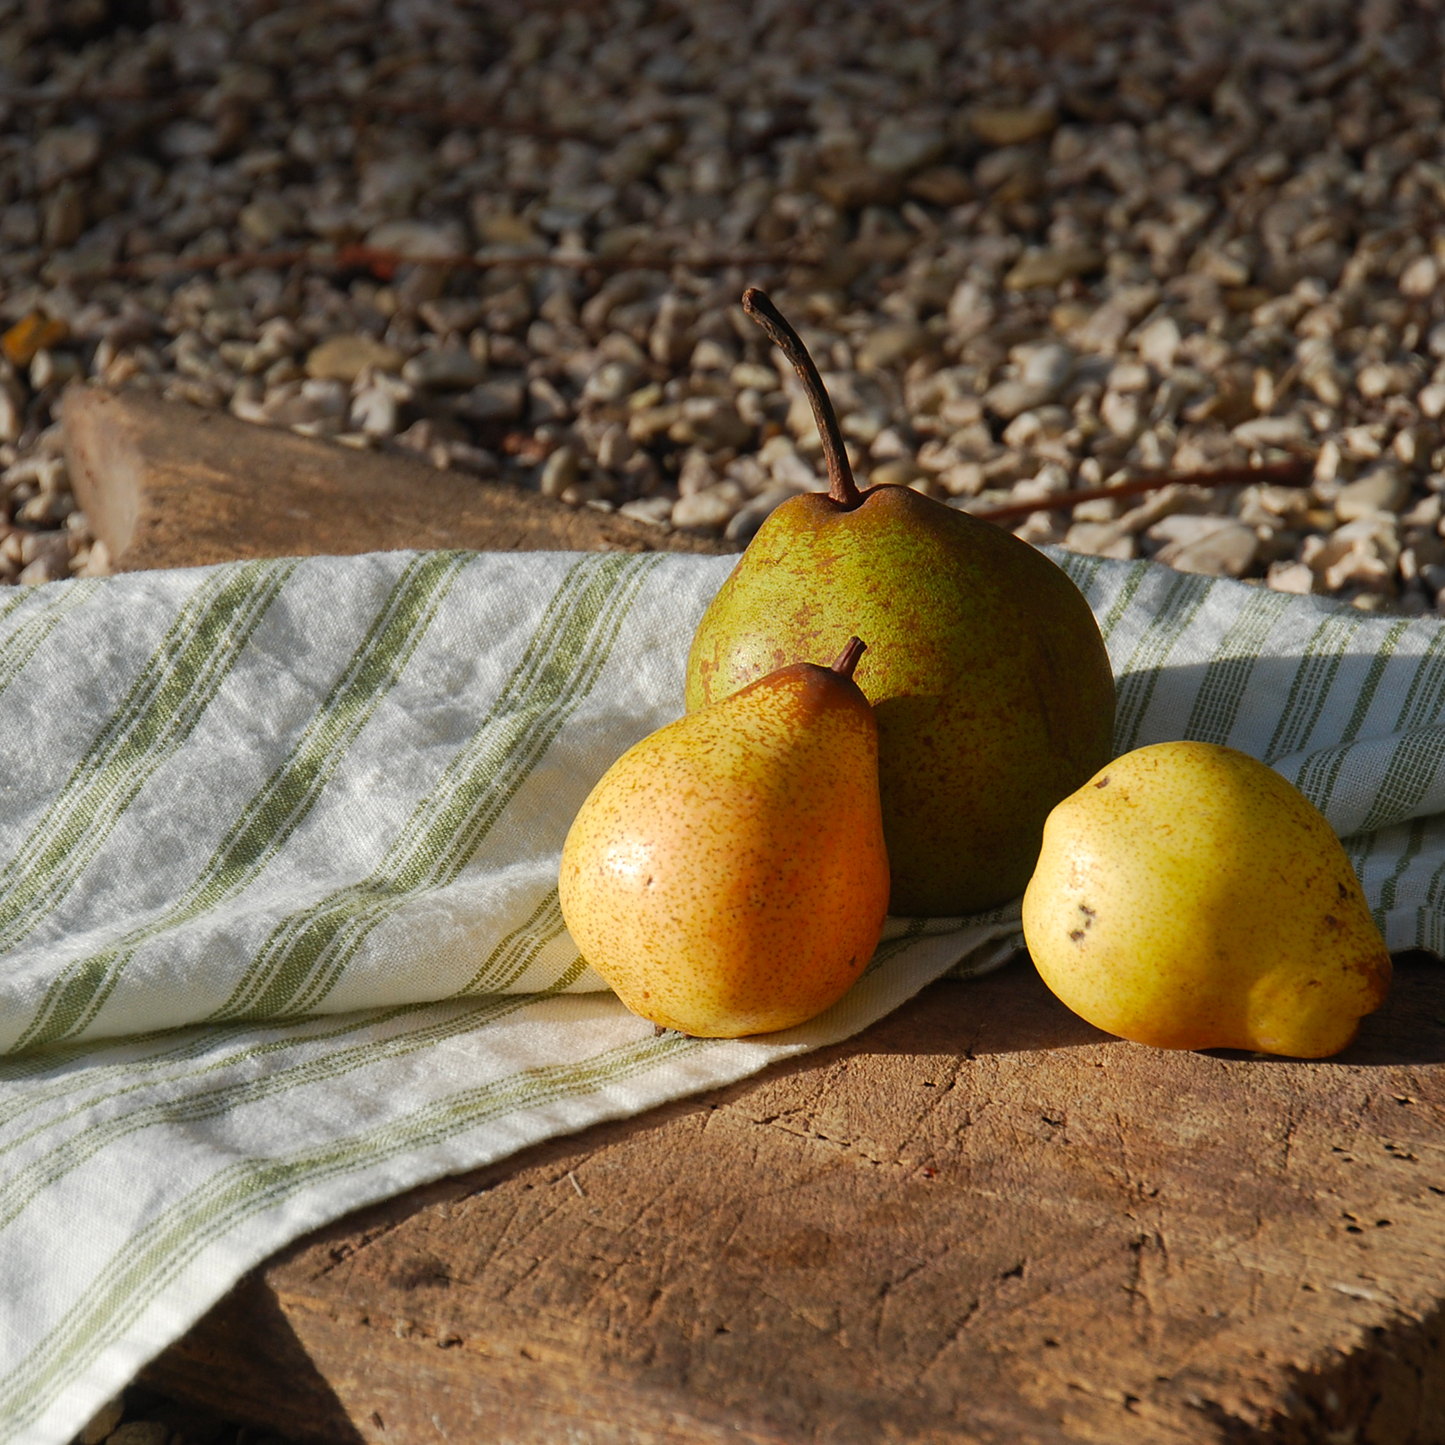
1188	896
728	874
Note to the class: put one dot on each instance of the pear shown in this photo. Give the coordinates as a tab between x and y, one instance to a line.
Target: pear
1190	897
728	874
988	675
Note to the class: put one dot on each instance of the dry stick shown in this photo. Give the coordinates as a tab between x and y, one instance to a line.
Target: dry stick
1293	473
841	486
369	257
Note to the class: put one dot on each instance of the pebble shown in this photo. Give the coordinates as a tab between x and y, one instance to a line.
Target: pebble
65	151
708	510
444	368
1159	343
267	219
655	510
44	557
1042	375
417	241
560	471
344	358
891	346
900	147
1383	489
1011	125
1050	267
374	412
500	399
1291	432
1215	546
1072	261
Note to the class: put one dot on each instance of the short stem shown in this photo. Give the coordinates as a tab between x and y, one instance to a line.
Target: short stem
841	486
848	658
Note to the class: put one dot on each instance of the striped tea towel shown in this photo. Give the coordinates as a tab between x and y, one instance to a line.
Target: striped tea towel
279	932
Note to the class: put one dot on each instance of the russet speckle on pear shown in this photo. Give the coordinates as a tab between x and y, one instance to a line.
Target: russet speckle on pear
728	875
991	683
1190	897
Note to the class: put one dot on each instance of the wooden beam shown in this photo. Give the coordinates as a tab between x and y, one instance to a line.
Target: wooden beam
170	485
981	1220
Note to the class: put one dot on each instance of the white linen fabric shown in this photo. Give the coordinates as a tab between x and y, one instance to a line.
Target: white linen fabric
279	932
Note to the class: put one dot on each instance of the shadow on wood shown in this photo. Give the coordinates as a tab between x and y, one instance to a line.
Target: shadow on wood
980	1220
244	1339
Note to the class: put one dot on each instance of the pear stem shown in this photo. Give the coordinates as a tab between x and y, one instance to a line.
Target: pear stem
848	659
841	486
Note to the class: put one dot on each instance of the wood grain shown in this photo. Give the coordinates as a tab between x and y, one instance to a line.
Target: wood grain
981	1220
170	485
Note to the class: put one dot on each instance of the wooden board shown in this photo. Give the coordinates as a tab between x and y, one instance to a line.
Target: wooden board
170	485
981	1220
978	1221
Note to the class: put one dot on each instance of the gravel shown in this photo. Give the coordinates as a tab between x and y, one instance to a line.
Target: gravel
1033	247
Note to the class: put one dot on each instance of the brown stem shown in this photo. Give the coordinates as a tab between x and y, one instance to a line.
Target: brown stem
848	659
1293	473
841	486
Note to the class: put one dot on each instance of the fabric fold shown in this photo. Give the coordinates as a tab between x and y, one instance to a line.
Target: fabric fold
279	933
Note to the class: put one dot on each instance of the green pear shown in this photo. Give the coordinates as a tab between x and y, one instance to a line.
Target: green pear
1191	898
988	675
728	874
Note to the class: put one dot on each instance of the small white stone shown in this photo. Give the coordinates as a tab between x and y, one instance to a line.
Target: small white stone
1121	413
1100	539
709	510
1273	431
1158	342
892	345
344	357
1293	577
610	383
970	310
696	473
654	510
500	399
1383	489
266	219
374	412
899	148
1420	278
1224	551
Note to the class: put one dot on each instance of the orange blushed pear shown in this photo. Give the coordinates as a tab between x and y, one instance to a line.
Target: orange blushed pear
728	874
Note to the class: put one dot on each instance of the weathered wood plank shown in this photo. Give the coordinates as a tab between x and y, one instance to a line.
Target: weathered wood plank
169	485
979	1220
